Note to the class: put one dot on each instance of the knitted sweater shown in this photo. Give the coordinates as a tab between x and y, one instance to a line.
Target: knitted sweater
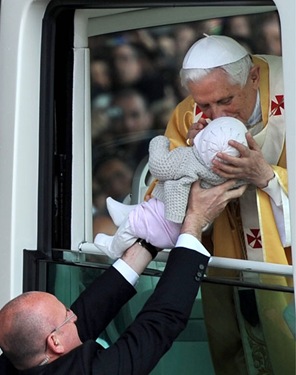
176	170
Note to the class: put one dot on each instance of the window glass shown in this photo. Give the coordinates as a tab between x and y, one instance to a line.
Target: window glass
135	86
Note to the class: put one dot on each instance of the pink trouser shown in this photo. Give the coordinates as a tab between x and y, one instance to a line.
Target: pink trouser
147	221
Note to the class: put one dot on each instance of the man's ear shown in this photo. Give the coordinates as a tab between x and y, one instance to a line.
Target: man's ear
54	345
255	76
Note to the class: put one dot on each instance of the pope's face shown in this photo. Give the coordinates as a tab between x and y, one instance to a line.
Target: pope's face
217	97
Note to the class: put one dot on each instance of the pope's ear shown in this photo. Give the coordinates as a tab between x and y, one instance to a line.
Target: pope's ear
255	76
54	345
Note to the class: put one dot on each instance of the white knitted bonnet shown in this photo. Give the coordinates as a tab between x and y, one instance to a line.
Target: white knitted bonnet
215	136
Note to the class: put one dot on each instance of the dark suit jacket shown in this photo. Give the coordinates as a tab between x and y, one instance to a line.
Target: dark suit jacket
145	341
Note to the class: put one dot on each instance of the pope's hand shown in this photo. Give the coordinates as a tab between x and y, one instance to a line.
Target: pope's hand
250	166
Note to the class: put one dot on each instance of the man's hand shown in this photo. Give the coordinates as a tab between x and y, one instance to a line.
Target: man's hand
250	166
204	205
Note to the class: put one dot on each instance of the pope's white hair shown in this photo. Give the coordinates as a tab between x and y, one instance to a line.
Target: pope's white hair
237	71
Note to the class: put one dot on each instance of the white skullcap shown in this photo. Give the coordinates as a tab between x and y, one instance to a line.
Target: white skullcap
215	136
213	51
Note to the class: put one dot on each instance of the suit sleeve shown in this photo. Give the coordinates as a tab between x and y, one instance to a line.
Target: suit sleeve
161	320
6	367
100	303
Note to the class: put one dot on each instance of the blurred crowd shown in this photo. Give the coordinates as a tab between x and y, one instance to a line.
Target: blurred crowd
135	87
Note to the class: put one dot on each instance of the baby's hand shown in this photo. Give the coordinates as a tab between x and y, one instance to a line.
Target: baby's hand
195	128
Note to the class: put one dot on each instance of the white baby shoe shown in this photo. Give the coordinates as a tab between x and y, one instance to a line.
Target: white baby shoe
118	211
115	246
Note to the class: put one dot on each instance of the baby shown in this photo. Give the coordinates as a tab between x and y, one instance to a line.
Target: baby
158	221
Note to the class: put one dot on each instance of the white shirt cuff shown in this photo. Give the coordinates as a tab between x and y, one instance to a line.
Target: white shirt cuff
273	189
190	242
126	271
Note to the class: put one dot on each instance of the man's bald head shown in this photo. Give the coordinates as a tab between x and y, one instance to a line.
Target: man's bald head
25	323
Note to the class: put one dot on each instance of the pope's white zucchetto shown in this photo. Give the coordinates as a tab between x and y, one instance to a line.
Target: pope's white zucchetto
213	51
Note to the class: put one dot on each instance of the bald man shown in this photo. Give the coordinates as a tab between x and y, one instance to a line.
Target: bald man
40	335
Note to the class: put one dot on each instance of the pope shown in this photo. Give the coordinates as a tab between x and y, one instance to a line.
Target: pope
223	79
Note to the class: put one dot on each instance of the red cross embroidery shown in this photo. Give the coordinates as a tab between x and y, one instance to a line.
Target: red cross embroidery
277	105
198	111
254	239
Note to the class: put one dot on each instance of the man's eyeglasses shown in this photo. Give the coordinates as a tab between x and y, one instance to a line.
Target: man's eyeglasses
70	317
